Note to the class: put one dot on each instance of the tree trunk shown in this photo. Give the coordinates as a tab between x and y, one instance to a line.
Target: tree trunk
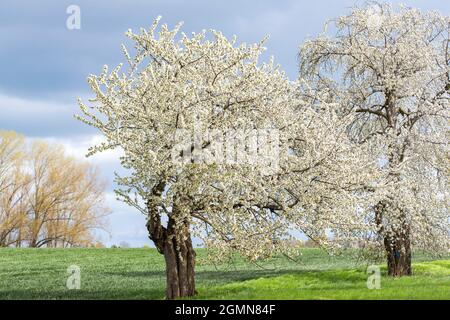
174	242
180	263
397	244
398	256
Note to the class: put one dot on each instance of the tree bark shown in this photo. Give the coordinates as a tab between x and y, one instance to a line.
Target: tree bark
397	245
180	263
398	257
174	242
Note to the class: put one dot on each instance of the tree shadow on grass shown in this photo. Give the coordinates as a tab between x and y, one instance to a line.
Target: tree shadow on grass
211	284
61	294
137	274
229	276
202	275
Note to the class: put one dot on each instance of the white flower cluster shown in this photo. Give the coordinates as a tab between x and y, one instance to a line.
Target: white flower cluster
256	147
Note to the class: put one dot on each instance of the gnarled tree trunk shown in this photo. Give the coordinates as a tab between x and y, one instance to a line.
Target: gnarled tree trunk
176	245
180	262
397	244
398	256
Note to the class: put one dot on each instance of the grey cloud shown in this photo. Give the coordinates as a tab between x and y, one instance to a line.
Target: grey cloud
41	56
40	118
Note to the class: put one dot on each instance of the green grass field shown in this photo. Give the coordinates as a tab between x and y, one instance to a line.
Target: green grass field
139	274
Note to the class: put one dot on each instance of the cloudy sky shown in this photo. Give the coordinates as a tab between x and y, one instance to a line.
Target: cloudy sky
44	64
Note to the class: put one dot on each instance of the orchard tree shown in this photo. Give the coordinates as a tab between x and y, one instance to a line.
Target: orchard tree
210	136
390	69
179	114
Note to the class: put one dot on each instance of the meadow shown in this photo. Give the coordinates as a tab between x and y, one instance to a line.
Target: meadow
139	274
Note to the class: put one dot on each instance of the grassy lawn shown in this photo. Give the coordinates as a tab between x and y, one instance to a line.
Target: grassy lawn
139	274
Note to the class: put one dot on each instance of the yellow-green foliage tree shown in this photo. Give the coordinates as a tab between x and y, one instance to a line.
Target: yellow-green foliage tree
46	197
14	186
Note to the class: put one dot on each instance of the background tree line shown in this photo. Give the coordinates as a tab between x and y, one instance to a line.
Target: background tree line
47	198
